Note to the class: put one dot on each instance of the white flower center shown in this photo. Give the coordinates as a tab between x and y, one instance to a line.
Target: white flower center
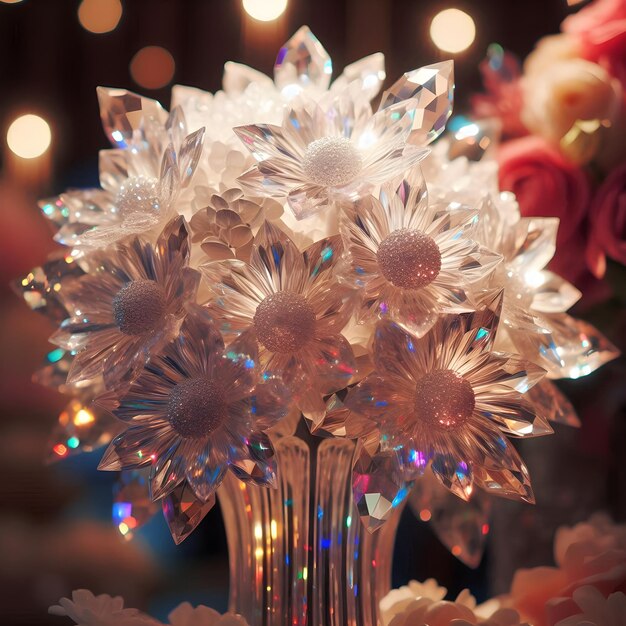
139	307
196	407
284	322
331	161
409	259
138	194
444	400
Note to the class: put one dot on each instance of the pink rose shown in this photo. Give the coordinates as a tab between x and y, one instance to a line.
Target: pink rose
601	29
608	222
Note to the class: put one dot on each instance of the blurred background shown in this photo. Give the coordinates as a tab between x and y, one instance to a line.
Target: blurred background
56	532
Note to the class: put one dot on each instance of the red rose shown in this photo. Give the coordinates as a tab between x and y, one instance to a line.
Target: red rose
601	30
546	185
608	222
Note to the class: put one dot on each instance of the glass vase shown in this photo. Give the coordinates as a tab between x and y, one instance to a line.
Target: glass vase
299	554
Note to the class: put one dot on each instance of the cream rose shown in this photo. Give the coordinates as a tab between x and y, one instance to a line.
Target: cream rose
570	103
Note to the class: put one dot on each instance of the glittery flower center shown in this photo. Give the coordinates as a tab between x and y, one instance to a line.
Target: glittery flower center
138	194
409	259
444	400
196	407
139	307
331	161
284	322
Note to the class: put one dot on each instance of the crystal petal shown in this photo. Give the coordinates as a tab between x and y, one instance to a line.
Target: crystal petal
461	526
189	156
455	475
113	169
552	404
301	63
378	486
238	76
551	293
124	115
369	72
256	471
45	288
428	92
183	511
132	506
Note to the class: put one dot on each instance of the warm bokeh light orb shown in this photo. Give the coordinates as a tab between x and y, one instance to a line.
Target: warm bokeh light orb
264	10
99	16
452	30
29	136
152	67
10	1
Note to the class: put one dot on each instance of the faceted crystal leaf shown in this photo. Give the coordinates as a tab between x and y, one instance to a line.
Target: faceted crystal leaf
461	526
132	506
44	288
260	466
580	345
124	115
81	429
183	511
552	404
378	487
428	93
301	63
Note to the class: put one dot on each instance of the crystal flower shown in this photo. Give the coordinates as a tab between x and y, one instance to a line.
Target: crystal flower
128	305
411	260
196	411
153	160
226	226
291	304
326	152
451	401
536	324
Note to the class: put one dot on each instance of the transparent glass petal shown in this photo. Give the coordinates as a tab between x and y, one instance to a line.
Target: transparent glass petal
368	72
378	487
238	76
428	93
124	115
302	63
183	511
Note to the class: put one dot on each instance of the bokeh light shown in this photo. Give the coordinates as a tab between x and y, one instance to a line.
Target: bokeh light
452	30
29	136
99	16
264	10
152	67
10	1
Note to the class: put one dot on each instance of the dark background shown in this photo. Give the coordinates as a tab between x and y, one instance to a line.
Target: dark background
54	528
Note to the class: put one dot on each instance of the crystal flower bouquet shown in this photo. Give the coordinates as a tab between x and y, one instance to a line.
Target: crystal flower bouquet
282	297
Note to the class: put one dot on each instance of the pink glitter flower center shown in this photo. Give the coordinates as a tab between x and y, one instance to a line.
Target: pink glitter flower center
139	307
444	399
409	259
284	322
196	407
